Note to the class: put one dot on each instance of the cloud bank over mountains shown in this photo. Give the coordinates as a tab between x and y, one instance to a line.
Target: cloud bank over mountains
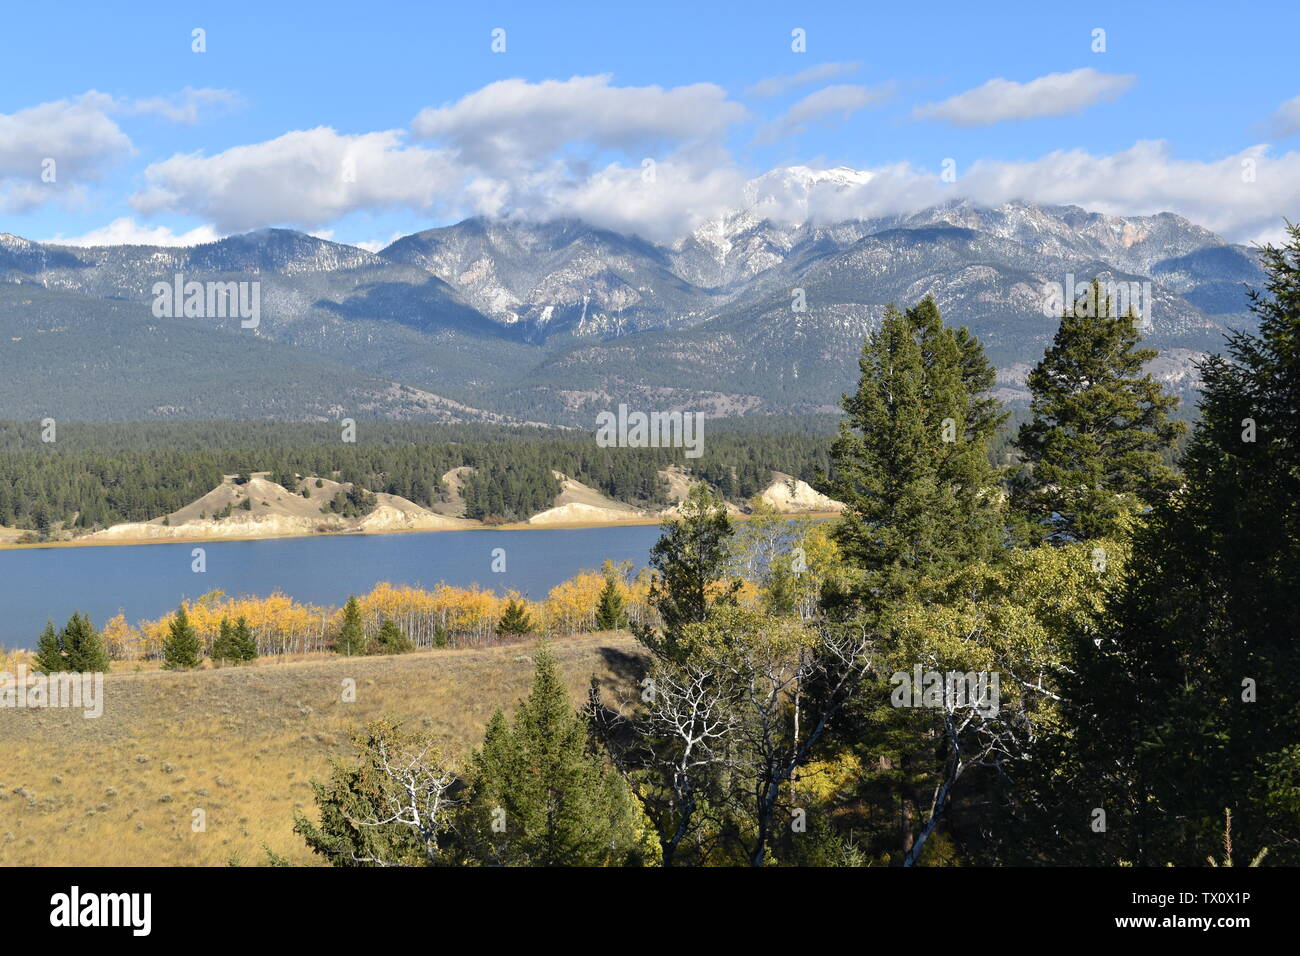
651	160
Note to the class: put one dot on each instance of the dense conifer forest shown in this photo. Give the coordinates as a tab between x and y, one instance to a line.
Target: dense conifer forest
98	474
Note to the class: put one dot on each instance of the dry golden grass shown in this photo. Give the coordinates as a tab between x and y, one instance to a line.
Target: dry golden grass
241	744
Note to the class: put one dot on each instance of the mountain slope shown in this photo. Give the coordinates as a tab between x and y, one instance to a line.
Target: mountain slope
65	356
762	310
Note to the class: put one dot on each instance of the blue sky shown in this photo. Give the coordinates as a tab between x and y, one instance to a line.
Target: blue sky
414	121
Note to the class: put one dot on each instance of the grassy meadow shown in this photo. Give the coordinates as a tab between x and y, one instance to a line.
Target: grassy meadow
241	743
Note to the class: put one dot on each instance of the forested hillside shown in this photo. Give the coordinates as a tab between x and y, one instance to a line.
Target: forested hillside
94	475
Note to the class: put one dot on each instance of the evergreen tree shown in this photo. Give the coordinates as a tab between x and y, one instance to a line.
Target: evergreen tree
181	648
921	503
539	795
41	520
391	640
689	562
780	596
223	645
911	458
1093	448
515	619
610	611
83	646
358	827
243	642
351	637
49	652
1185	704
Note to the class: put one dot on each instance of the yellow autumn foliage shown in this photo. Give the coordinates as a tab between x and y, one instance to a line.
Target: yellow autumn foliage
468	616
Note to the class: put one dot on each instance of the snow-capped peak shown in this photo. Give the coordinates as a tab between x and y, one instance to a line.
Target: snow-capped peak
794	185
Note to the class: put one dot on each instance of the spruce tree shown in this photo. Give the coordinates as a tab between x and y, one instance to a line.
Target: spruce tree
181	648
515	620
244	643
83	645
689	564
911	459
391	639
351	637
922	503
223	645
49	651
610	612
539	795
1185	704
1093	448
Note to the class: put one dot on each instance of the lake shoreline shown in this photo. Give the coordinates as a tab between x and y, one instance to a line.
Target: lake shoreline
513	526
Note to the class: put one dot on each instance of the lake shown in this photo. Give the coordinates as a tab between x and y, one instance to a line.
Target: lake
146	581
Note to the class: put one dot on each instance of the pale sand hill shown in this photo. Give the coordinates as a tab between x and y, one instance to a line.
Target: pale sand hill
578	504
398	514
785	493
679	483
454	481
277	511
679	486
792	495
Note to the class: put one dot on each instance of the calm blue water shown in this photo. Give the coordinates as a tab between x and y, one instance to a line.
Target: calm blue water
147	580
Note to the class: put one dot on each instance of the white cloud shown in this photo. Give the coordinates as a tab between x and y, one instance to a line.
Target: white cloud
1145	179
52	151
125	231
306	178
509	125
511	148
832	103
246	190
186	106
542	150
776	85
678	197
999	100
1286	121
74	141
1141	180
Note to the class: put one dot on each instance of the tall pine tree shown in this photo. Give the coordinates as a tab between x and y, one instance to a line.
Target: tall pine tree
922	502
1093	448
911	458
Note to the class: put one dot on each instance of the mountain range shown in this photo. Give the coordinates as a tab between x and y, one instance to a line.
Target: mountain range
511	320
